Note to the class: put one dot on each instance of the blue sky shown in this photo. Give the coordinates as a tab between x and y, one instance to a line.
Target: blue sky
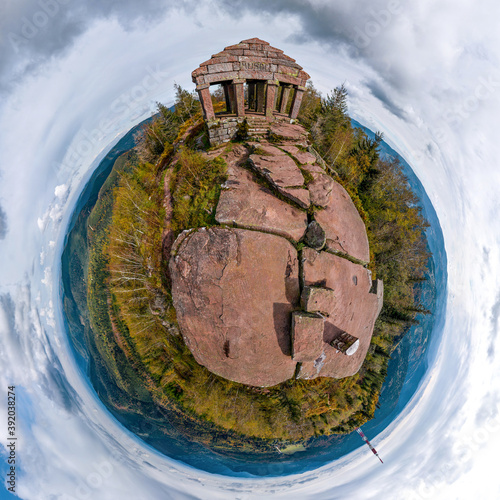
75	76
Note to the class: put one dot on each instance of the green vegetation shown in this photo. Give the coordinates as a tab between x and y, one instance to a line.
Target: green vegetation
195	186
130	305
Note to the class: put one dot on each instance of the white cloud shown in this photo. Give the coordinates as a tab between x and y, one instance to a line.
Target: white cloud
427	76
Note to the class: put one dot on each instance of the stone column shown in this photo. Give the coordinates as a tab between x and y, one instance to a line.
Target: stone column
252	97
272	87
227	97
232	97
285	95
261	97
239	92
299	93
206	101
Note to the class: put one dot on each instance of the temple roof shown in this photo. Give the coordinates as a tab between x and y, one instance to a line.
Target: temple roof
250	59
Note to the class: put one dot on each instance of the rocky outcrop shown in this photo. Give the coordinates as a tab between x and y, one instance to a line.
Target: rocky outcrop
344	228
278	168
237	290
247	204
354	310
320	189
303	157
289	133
234	291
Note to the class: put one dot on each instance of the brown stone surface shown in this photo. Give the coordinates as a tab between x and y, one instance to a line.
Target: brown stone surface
257	59
313	169
248	204
299	196
280	170
354	311
307	336
344	228
320	189
234	291
290	132
303	157
317	299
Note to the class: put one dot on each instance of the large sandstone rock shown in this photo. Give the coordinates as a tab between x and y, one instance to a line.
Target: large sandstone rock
303	157
248	204
279	169
320	189
354	311
298	195
307	336
344	228
317	299
288	132
234	291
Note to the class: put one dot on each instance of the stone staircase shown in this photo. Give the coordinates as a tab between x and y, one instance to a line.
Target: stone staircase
257	126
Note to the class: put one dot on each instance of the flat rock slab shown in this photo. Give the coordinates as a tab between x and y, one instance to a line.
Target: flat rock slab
307	336
313	169
234	291
298	195
290	132
303	157
344	228
317	299
280	169
269	150
320	189
248	204
354	311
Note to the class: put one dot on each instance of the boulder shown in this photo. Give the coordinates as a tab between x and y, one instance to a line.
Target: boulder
344	228
307	336
234	291
247	204
315	236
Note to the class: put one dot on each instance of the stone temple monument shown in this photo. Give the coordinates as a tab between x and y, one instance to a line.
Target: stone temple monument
278	287
258	81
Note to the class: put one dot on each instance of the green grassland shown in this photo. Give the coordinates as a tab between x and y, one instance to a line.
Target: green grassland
135	334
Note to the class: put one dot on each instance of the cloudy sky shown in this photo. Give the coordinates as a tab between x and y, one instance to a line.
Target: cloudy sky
75	75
